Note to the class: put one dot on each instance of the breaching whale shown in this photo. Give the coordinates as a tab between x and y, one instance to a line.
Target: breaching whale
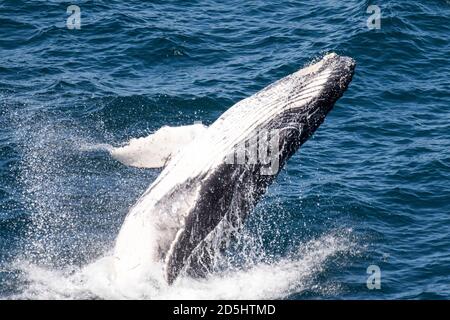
213	176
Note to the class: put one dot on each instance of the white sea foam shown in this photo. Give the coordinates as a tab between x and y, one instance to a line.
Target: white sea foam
260	281
44	176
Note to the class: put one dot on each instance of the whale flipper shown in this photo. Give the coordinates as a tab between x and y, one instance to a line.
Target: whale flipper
155	150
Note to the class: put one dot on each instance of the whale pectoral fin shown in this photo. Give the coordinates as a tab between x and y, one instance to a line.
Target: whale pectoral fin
156	150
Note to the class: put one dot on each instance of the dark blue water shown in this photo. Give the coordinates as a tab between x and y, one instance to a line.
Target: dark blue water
372	187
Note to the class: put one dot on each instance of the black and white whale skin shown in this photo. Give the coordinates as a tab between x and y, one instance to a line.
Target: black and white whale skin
200	192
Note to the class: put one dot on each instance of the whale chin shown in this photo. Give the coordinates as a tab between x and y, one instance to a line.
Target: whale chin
213	178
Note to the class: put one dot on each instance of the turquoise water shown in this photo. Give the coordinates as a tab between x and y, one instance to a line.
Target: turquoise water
372	187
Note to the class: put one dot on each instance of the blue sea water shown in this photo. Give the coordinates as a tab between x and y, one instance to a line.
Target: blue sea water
372	187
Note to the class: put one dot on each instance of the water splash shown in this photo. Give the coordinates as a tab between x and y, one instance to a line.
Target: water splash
276	280
62	259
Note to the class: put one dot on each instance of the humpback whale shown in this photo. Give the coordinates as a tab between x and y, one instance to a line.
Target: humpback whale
214	176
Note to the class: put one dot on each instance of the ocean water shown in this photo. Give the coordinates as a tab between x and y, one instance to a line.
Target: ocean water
371	188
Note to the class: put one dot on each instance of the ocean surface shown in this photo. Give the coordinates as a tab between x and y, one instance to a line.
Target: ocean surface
371	188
